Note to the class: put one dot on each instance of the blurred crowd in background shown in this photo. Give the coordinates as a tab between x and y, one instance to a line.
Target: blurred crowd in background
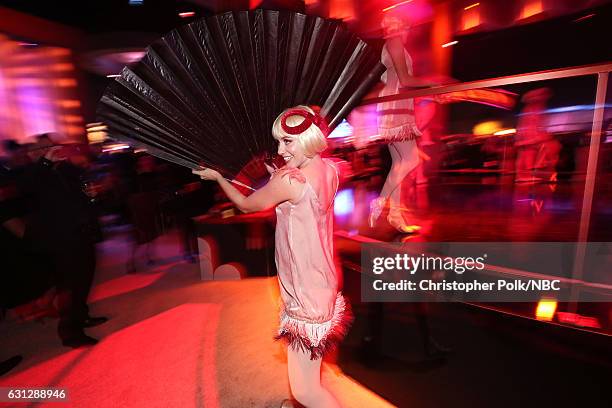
59	201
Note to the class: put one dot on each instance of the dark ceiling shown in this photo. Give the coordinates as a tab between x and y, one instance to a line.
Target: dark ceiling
101	16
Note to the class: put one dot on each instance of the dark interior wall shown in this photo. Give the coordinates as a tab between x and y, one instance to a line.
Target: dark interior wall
557	43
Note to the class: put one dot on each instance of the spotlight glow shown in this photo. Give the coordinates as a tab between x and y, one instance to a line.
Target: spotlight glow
341	131
344	203
113	148
546	309
505	132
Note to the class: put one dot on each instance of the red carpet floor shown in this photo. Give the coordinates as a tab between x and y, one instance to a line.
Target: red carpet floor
172	341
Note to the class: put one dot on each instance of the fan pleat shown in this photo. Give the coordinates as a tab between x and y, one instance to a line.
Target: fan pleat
169	81
236	135
316	48
146	131
206	70
190	88
142	118
142	94
259	71
207	93
171	157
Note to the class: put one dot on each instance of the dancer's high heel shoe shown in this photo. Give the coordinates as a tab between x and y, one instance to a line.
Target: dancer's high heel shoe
396	219
376	207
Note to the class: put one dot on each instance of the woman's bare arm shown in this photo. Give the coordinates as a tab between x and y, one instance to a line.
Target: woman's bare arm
281	187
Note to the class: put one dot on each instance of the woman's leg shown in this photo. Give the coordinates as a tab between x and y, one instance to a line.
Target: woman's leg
404	159
407	159
377	205
305	381
393	178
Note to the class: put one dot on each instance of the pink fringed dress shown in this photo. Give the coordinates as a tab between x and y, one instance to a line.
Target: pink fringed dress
396	120
314	316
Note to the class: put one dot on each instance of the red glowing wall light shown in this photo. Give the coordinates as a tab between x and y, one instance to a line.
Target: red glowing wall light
471	20
71	118
58	52
532	8
68	103
186	14
578	320
65	82
470	17
342	9
65	66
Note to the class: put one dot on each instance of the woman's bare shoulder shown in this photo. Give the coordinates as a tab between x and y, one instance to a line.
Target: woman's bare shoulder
289	174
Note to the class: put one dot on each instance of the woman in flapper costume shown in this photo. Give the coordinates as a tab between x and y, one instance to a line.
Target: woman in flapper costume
397	123
315	315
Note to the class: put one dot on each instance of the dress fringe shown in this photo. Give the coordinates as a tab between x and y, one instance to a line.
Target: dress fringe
408	131
316	338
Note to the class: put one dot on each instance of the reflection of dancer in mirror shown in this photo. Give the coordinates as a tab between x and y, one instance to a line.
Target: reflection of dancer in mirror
397	124
314	317
537	149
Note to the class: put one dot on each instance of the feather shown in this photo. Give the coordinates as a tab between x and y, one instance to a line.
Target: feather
319	338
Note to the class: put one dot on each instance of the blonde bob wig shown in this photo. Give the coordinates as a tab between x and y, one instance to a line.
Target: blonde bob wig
312	140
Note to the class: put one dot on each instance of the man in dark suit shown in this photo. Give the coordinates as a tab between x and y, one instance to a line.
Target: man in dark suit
63	228
11	230
20	279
